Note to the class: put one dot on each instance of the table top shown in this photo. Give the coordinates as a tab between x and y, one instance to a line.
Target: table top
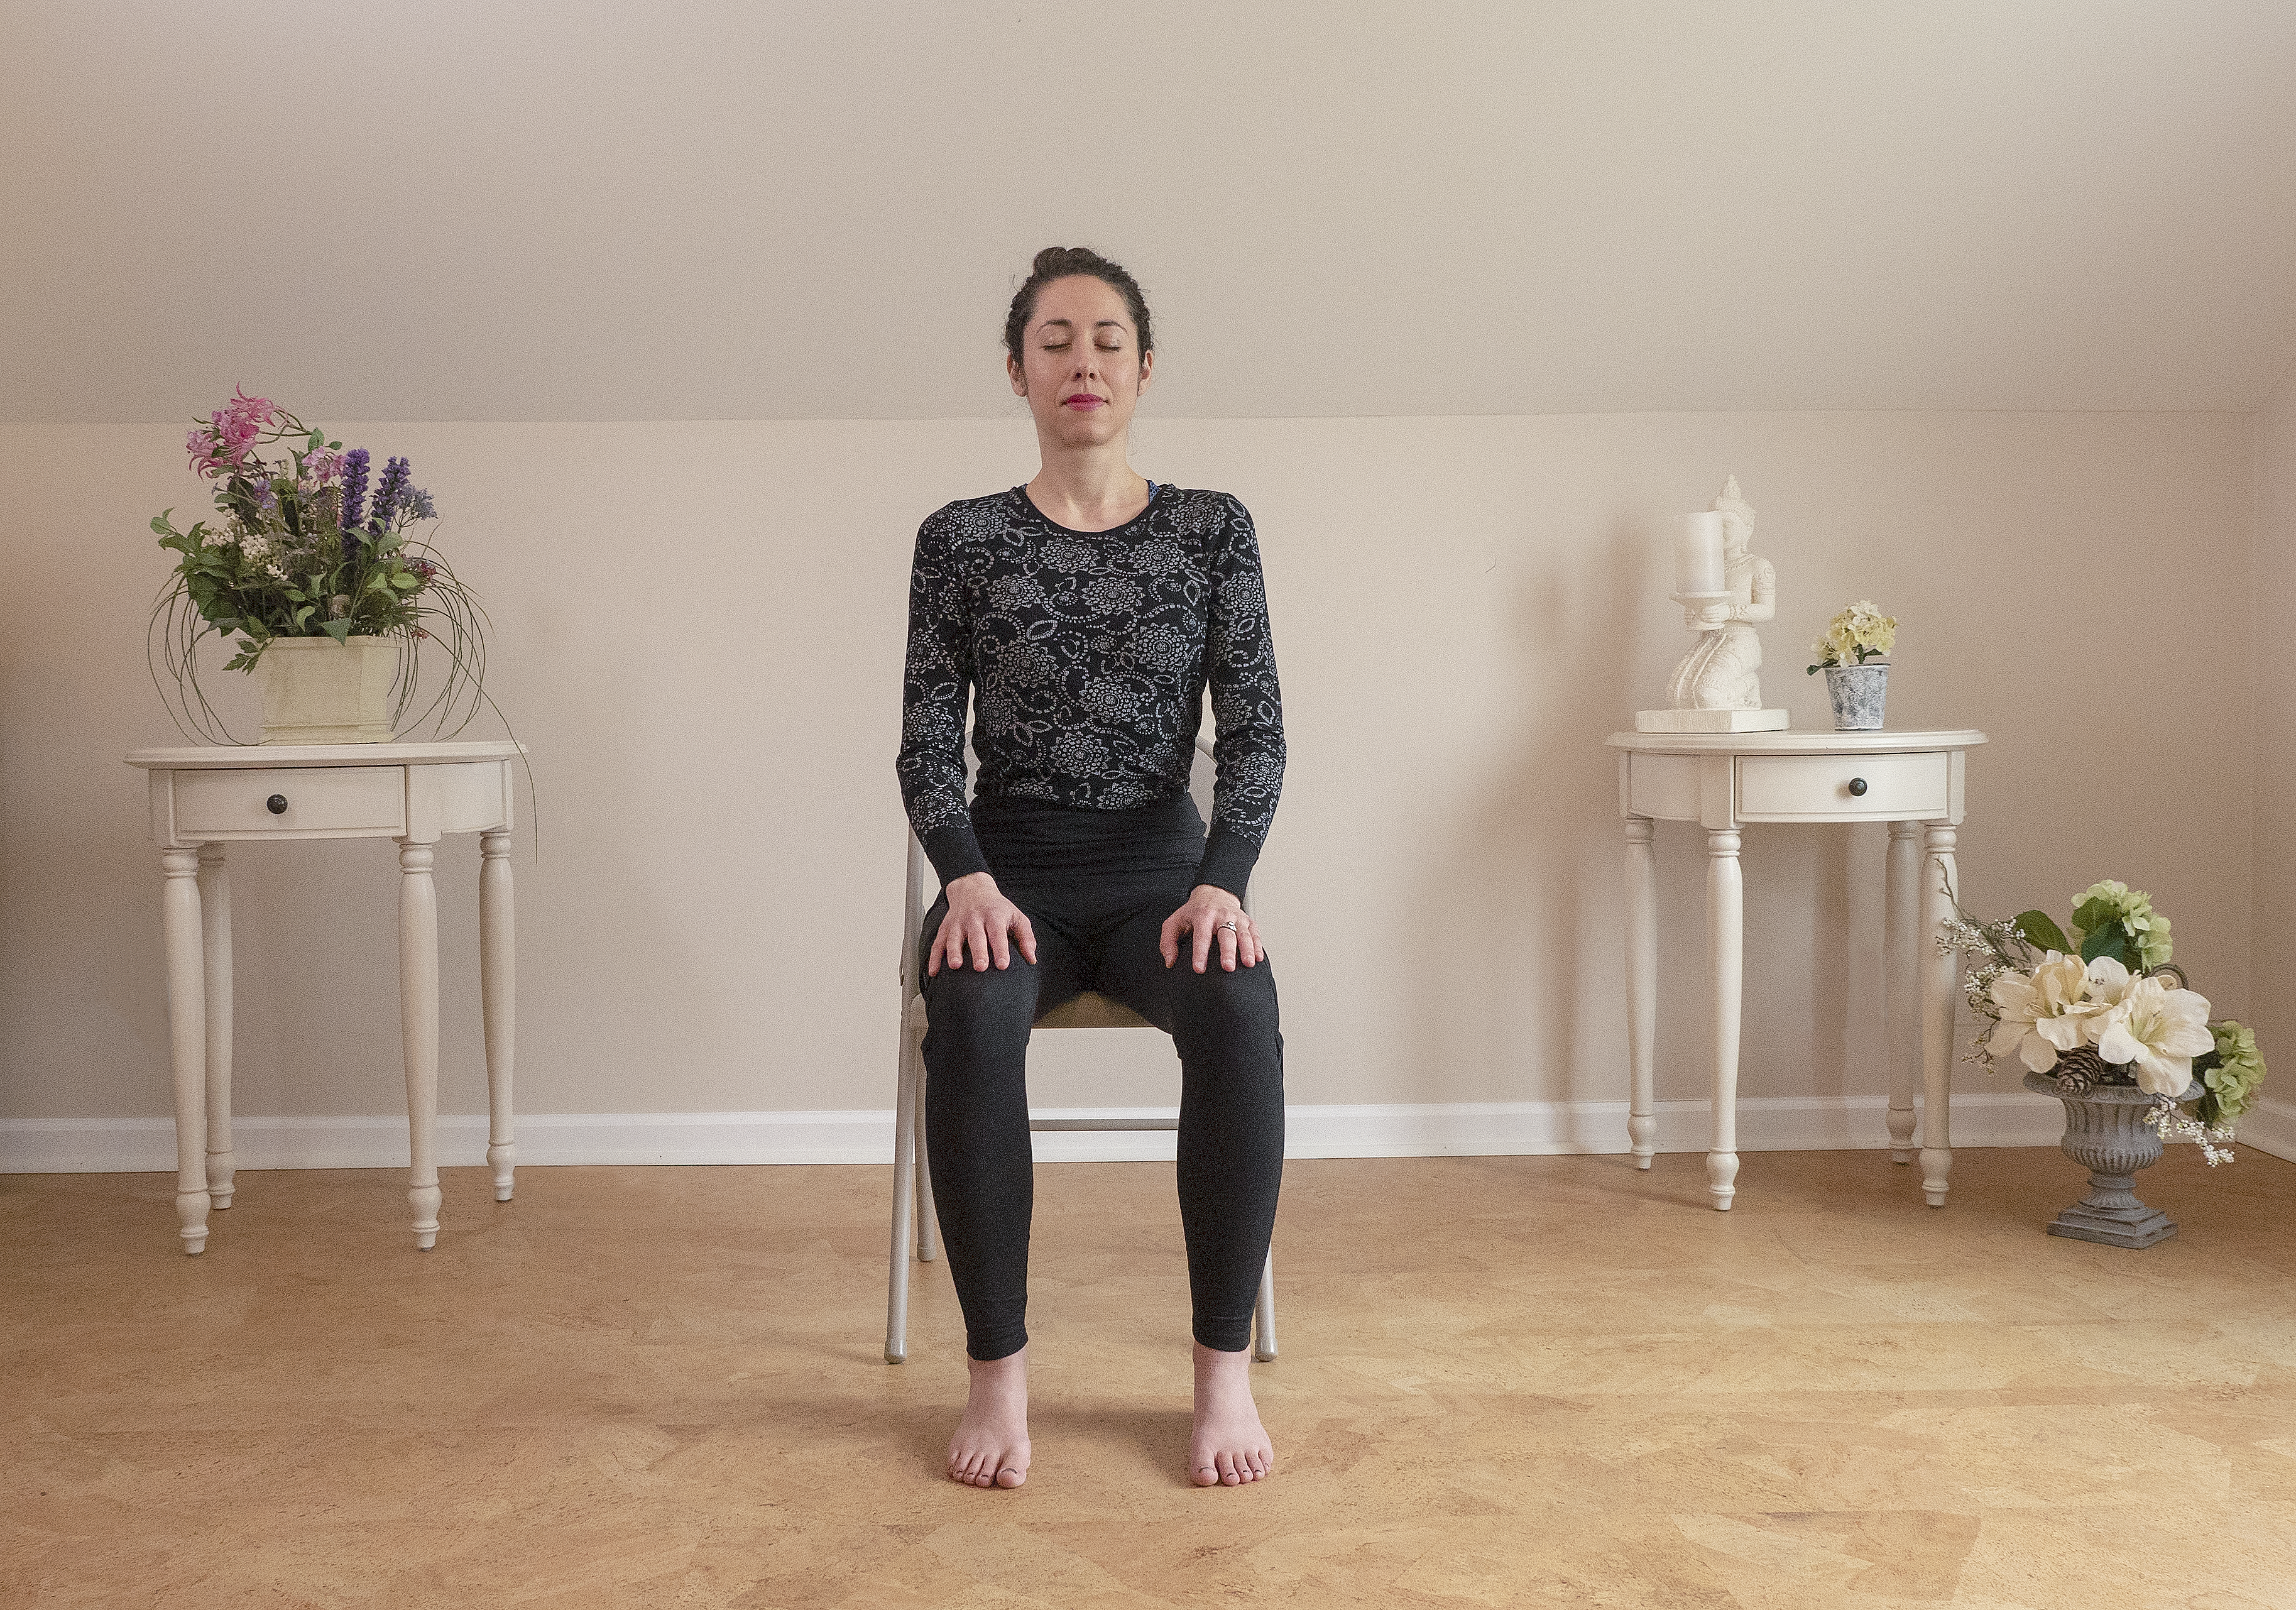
249	757
1823	741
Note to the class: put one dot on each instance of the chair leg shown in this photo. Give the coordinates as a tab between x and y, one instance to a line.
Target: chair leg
927	1218
1263	1313
904	1184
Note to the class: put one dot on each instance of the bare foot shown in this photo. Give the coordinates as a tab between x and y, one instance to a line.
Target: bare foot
1229	1446
990	1447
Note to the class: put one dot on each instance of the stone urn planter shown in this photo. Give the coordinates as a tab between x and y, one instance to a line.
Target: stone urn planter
316	690
2107	1134
1857	692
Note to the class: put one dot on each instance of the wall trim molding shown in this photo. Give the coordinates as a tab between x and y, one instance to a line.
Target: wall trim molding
1788	1124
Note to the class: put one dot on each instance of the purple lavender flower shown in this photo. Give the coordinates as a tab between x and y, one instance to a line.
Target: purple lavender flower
390	492
354	463
419	506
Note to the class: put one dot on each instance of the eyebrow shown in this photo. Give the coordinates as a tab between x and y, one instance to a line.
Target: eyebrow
1106	323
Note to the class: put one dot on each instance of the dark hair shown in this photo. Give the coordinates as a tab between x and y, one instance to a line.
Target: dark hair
1058	262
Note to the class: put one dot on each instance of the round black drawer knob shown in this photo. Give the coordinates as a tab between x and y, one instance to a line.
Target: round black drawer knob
1856	787
277	803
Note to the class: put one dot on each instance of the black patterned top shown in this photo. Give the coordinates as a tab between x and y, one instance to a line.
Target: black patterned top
1087	653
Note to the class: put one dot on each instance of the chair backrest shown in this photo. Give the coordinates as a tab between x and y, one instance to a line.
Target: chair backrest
1086	1011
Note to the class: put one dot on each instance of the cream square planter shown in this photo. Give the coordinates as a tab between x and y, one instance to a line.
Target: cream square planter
316	690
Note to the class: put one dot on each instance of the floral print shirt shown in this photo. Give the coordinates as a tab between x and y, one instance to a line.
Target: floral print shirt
1086	655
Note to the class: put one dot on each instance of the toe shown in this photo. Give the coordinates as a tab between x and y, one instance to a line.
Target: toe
1206	1475
1010	1477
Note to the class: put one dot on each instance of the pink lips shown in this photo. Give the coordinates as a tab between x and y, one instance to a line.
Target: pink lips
1083	400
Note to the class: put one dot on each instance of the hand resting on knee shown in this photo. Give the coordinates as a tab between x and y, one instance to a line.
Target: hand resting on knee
981	918
1211	917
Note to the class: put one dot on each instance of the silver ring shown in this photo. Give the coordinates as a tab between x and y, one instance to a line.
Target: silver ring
1229	927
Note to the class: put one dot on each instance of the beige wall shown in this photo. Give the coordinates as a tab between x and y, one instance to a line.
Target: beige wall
2274	625
699	630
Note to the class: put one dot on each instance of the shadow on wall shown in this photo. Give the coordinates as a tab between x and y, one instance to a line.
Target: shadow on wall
1515	966
1511	960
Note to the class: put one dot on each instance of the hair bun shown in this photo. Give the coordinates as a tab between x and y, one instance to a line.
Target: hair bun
1054	261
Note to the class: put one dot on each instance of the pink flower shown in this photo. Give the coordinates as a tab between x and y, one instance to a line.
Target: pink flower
222	444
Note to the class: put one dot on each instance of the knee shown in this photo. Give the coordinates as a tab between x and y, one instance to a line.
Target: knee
963	1006
1226	1002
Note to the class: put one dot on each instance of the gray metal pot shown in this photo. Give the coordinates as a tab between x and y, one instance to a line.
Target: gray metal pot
1857	692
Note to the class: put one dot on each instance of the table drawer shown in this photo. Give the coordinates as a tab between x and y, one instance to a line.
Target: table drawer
349	799
1785	788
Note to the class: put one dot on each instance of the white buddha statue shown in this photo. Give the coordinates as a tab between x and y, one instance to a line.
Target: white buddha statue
1721	669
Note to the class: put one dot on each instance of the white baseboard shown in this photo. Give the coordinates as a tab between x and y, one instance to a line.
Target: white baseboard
59	1145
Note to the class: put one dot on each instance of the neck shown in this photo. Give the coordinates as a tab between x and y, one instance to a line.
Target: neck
1087	486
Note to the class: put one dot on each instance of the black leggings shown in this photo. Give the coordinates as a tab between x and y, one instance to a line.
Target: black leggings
1097	887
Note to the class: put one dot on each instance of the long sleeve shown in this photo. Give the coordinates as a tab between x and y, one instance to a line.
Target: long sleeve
1247	748
935	684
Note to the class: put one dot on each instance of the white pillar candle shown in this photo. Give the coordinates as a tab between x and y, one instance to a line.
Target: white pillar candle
1698	555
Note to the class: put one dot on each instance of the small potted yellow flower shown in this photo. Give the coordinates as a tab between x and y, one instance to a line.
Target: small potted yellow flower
1856	675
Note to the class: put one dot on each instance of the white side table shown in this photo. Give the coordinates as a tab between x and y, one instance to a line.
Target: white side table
1911	780
205	798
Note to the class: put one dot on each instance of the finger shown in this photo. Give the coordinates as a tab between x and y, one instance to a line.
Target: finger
977	937
1248	944
1203	938
1166	940
1027	933
1229	944
1000	944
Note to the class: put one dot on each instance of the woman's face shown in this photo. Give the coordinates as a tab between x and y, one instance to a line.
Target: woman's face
1083	371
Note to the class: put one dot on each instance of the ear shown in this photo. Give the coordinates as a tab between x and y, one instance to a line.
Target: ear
1147	367
1014	373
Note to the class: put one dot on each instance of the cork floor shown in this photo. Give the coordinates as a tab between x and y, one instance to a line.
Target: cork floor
1504	1381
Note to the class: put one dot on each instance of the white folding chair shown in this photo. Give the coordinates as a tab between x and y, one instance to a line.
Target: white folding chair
915	1230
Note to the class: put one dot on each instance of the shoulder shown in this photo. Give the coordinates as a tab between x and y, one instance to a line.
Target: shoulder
966	521
1199	510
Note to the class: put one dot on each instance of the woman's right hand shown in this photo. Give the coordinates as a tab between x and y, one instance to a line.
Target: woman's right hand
981	917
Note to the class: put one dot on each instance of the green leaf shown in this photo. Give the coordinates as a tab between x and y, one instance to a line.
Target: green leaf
2109	940
337	629
2040	929
407	581
159	520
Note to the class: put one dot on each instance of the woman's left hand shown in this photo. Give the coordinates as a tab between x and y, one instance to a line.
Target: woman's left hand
1212	915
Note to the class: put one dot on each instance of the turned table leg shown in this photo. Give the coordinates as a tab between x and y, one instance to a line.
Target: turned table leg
1642	989
1725	959
498	986
1904	981
1940	977
418	1028
187	1036
215	923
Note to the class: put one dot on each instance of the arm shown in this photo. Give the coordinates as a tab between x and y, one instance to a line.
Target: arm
935	684
1247	706
1762	603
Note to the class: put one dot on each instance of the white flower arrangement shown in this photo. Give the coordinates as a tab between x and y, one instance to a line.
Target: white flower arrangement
1859	633
2099	1008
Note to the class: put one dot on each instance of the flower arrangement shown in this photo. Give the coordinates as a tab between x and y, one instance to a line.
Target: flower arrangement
2099	1004
1858	633
302	547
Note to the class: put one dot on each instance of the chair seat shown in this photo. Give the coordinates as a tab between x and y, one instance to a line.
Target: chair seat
1090	1010
1093	1010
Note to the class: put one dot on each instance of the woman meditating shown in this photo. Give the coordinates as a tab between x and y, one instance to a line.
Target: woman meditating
1085	613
